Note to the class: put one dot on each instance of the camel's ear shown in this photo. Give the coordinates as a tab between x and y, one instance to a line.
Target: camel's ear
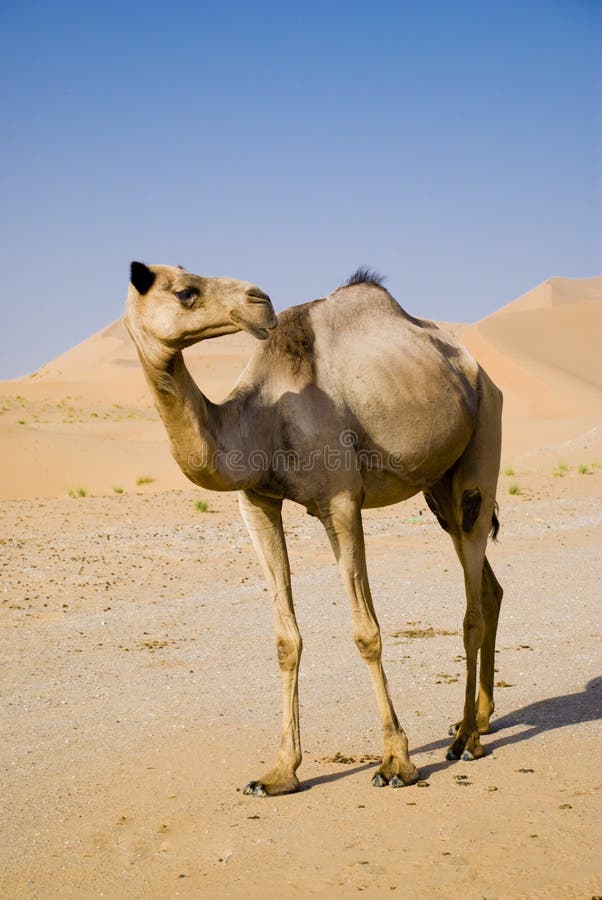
141	277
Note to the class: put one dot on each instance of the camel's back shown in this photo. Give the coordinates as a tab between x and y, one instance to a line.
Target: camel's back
353	373
359	327
356	362
359	341
410	385
362	333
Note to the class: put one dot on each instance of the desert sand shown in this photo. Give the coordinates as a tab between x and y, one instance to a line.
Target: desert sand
140	690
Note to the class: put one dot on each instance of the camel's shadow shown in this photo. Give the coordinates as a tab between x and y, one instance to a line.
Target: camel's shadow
554	712
538	717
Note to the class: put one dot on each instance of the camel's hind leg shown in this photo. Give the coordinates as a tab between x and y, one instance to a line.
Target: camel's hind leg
464	502
479	634
264	521
491	599
343	522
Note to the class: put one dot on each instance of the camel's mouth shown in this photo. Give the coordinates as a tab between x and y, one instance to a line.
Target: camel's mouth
260	330
257	331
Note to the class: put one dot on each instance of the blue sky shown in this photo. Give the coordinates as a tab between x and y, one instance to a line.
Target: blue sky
454	147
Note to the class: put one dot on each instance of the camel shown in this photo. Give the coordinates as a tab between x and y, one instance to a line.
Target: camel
347	403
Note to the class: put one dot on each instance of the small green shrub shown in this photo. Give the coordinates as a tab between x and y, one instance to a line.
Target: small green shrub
508	471
77	492
118	490
144	479
513	489
583	469
201	506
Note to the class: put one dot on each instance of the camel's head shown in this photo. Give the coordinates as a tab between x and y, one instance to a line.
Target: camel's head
178	309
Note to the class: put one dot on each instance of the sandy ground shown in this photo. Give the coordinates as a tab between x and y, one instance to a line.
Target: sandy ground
140	692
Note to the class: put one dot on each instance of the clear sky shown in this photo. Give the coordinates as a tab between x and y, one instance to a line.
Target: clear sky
453	146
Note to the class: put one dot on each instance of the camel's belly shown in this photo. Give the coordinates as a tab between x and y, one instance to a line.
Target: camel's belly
389	477
385	489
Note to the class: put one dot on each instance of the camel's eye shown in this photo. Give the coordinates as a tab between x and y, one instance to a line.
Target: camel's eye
187	296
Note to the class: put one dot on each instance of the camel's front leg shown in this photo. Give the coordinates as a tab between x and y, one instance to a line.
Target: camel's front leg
263	519
343	523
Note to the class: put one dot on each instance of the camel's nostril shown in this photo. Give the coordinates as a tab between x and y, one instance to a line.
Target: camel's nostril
257	296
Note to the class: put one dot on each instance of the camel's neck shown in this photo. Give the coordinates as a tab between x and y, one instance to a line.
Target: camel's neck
194	424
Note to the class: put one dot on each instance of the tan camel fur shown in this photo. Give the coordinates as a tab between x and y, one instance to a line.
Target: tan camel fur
348	402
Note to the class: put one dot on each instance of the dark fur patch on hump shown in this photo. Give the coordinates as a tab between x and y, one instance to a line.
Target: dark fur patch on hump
365	275
292	341
471	507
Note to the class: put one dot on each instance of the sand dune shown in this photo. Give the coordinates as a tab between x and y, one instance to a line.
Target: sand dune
107	363
86	419
544	352
555	292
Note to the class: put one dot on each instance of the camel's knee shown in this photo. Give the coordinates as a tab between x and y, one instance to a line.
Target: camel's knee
368	642
289	653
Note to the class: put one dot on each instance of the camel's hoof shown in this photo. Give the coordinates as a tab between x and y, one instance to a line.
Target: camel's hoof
379	780
255	789
467	749
395	781
272	787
